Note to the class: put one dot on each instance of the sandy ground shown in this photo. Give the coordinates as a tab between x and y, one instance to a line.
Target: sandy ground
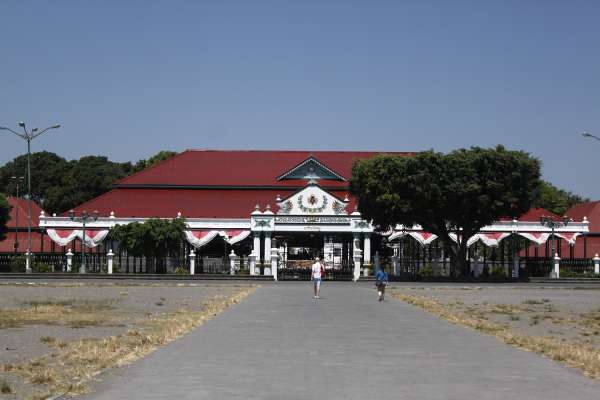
565	313
126	302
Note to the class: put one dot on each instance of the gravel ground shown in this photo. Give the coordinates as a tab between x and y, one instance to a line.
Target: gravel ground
128	303
565	313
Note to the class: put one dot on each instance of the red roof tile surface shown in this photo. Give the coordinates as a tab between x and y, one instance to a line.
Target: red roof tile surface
242	168
591	210
20	205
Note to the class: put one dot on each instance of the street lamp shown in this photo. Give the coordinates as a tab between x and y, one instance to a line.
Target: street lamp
28	136
554	223
17	179
589	135
84	218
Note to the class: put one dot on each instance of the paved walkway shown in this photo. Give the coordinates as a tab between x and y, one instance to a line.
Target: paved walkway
281	344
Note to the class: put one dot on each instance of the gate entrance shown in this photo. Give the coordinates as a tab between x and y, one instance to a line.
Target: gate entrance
298	251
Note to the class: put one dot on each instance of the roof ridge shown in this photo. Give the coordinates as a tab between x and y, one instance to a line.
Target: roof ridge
299	151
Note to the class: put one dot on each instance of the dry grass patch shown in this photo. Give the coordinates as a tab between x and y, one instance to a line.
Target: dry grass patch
581	356
69	312
75	364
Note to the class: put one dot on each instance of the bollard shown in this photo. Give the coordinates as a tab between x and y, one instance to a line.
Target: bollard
69	260
109	258
274	259
192	262
357	259
252	262
232	257
596	264
556	273
28	269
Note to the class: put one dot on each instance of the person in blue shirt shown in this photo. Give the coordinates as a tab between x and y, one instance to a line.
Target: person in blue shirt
381	281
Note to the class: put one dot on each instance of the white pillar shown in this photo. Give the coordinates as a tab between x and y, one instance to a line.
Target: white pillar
367	249
28	269
274	258
556	266
515	273
252	262
69	260
109	261
256	246
192	262
267	253
357	259
232	258
596	264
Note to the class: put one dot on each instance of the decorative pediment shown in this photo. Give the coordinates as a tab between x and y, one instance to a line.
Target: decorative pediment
312	200
311	169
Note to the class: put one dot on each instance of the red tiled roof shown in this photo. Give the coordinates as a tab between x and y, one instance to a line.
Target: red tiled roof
533	215
20	204
591	210
6	246
242	168
192	203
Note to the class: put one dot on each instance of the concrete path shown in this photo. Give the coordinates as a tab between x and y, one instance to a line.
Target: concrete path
281	344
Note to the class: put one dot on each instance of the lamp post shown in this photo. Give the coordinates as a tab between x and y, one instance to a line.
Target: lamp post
589	135
17	179
29	136
84	218
554	223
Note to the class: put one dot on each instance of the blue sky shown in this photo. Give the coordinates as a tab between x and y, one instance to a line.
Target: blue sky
128	79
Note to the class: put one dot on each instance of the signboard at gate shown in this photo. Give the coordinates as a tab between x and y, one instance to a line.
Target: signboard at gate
311	220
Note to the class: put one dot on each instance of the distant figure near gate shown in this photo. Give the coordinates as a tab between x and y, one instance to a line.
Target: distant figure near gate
317	271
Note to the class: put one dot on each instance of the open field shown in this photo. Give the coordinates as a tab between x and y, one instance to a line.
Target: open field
55	337
560	323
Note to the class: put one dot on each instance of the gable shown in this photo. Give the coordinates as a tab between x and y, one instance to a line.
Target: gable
311	169
312	200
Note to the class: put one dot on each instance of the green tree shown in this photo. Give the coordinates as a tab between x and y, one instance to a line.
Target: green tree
155	159
47	171
154	239
457	193
4	216
83	180
556	200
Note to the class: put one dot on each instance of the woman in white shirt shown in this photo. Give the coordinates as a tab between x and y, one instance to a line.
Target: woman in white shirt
317	270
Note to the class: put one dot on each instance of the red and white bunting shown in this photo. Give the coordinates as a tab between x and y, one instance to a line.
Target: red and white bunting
491	239
424	238
535	237
63	237
202	238
570	237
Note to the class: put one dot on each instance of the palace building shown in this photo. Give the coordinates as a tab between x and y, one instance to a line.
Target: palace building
272	212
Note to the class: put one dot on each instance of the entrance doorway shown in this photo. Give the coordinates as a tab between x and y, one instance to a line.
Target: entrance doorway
298	251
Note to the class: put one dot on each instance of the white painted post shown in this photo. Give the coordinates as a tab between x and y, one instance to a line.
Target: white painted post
109	260
267	253
69	260
252	262
367	249
192	262
28	269
274	258
256	246
596	264
232	258
556	266
357	259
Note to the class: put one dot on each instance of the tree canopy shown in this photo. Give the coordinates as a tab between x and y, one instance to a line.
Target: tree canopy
556	200
4	216
59	185
154	239
456	193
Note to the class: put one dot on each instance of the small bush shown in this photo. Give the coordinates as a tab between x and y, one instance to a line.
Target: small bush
181	271
41	267
498	272
18	264
426	271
